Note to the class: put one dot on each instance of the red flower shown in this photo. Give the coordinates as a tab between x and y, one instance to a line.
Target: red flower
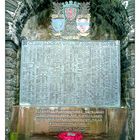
70	136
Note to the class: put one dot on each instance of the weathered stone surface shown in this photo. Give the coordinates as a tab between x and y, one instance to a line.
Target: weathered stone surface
130	50
131	14
11	88
132	93
10	75
18	69
10	71
131	11
128	85
10	101
131	125
10	93
11	82
8	111
11	44
8	20
9	105
10	62
128	75
19	12
10	65
127	57
10	5
131	82
10	53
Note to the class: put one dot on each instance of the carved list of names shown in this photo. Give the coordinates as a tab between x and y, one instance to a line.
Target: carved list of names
70	73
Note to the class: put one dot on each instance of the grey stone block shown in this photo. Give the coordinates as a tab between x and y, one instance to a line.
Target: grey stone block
131	124
9	59
10	93
11	44
10	6
132	93
10	52
131	82
130	103
10	75
10	65
132	59
11	82
10	88
10	71
132	72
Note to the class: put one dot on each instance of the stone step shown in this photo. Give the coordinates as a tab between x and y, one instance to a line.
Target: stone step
50	121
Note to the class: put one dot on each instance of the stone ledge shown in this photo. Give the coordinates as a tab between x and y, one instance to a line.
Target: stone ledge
24	120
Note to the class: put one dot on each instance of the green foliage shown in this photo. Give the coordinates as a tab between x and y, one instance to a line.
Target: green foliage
13	136
114	12
45	14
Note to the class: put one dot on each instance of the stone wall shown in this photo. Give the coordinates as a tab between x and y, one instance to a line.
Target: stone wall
11	79
128	70
128	85
17	14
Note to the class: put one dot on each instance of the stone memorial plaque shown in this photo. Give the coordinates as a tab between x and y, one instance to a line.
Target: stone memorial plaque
49	121
70	73
70	119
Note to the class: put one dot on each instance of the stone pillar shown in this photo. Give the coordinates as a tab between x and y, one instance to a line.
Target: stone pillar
131	79
128	69
11	80
130	90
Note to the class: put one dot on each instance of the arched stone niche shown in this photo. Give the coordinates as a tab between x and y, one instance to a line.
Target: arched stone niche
38	28
109	20
113	12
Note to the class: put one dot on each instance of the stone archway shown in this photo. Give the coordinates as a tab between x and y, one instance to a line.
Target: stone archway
18	12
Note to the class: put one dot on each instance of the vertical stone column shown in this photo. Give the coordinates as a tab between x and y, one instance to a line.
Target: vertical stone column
11	80
130	87
131	16
131	78
128	69
17	13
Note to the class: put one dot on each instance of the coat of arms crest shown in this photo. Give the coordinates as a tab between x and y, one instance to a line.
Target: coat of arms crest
71	19
83	24
58	24
70	10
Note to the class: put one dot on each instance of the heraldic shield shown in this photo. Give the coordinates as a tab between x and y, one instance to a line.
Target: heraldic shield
58	24
83	24
70	13
70	10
